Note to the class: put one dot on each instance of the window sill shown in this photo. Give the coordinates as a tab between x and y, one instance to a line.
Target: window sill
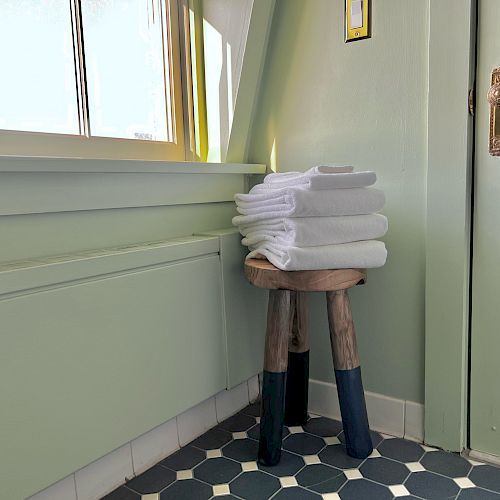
17	164
32	185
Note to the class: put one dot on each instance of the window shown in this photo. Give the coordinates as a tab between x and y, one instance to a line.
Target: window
91	78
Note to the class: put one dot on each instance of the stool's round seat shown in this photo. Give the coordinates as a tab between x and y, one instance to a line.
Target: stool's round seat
263	274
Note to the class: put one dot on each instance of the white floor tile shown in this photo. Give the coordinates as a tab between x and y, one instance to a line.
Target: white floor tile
249	466
353	474
464	482
239	435
311	459
214	453
288	481
184	474
415	467
221	489
399	490
331	440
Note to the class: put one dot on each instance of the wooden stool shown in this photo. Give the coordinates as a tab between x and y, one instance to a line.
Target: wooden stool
286	358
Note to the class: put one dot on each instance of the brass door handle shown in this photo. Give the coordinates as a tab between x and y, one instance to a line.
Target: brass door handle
494	101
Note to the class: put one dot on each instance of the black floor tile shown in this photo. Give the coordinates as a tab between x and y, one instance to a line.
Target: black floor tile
384	471
323	427
213	439
330	485
242	450
431	486
122	493
304	444
376	438
336	455
363	489
399	449
217	470
188	489
254	432
477	494
448	464
153	480
316	473
186	458
486	476
255	485
289	465
295	493
237	423
253	410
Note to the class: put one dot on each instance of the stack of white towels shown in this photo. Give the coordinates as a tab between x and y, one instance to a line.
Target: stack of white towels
324	218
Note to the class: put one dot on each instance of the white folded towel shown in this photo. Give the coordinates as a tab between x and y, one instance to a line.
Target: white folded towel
316	179
320	169
299	201
361	254
314	231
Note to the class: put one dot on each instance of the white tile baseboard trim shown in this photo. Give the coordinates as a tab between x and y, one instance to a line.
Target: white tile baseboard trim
396	417
110	471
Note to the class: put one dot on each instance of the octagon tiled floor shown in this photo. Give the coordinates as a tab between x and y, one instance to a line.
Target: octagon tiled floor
221	464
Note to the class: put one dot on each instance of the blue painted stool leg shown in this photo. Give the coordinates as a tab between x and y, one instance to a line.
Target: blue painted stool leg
358	441
297	381
348	375
271	421
274	382
297	389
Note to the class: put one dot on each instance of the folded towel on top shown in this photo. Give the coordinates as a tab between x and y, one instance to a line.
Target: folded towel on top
299	201
281	177
361	254
314	231
320	178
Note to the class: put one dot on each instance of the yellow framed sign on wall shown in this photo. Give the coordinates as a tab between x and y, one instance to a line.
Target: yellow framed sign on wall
357	20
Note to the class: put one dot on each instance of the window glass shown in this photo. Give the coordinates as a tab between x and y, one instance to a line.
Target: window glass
37	83
126	68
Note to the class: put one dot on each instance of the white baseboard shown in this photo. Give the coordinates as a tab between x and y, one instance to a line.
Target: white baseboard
484	457
107	473
396	417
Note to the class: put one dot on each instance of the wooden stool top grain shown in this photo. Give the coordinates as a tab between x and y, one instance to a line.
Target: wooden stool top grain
263	274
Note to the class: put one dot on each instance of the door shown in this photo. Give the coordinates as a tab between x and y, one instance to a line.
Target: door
485	333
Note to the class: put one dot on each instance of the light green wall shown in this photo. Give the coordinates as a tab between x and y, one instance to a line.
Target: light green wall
363	103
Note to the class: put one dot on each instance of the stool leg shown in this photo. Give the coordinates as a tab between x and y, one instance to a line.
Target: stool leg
297	379
273	386
348	375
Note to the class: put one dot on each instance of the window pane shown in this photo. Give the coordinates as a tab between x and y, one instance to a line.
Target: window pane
37	82
124	57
